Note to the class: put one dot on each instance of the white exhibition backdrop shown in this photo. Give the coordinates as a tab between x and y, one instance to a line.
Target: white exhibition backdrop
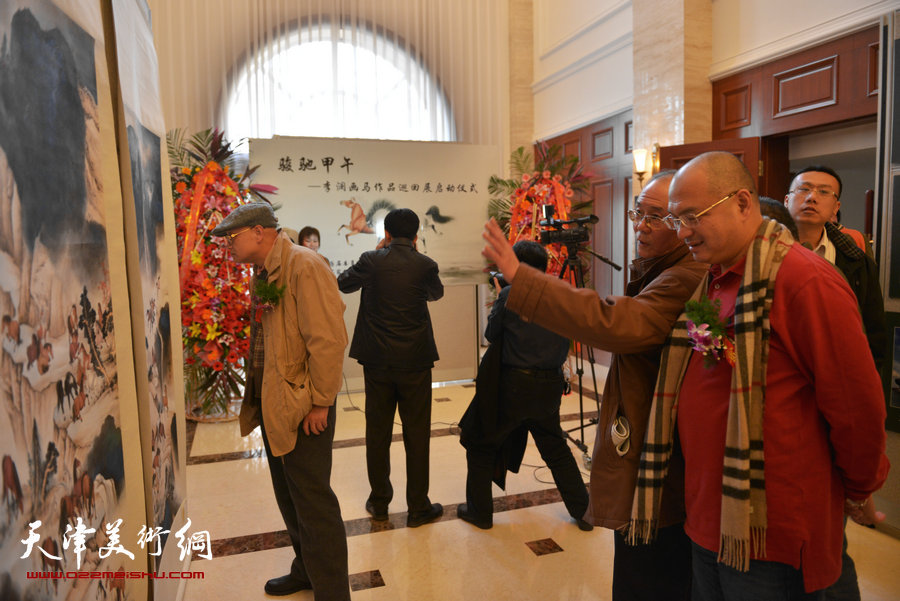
320	180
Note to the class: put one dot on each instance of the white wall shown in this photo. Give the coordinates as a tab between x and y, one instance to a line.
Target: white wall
750	32
582	63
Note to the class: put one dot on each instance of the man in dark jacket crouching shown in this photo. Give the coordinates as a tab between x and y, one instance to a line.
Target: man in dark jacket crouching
529	394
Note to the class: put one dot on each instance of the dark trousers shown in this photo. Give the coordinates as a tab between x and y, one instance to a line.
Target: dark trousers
847	586
768	580
532	401
409	392
311	513
660	570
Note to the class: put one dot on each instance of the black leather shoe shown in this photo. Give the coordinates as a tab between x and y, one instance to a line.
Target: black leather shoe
462	512
377	514
420	518
584	524
286	585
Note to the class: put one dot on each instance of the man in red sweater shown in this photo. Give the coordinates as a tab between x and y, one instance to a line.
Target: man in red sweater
779	438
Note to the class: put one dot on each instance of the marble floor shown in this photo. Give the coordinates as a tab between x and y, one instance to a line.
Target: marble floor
534	551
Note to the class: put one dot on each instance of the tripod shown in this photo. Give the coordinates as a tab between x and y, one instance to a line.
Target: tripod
573	265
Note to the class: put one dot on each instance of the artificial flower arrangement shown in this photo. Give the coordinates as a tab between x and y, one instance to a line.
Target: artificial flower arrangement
549	179
707	333
215	295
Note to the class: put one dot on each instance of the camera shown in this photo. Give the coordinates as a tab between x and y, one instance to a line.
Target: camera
575	235
561	235
496	274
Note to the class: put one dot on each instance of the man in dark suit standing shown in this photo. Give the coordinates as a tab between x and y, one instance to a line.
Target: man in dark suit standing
394	342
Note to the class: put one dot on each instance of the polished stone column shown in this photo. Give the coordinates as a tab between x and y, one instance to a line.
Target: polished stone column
521	73
672	55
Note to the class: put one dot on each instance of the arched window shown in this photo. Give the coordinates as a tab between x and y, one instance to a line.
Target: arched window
329	81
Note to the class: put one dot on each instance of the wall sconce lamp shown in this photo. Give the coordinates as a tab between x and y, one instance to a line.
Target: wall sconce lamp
641	164
645	161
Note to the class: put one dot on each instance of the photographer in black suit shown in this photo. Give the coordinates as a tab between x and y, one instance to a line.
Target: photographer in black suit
394	342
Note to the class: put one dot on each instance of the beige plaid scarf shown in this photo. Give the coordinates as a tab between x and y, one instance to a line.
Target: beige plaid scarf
743	517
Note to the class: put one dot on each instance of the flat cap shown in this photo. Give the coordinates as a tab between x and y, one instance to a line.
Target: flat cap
248	215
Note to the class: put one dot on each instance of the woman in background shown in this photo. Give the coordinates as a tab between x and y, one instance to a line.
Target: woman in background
309	237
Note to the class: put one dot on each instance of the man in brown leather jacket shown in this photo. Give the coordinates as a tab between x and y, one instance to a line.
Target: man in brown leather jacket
634	328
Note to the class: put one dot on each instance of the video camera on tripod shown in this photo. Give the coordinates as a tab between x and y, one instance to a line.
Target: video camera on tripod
575	239
559	234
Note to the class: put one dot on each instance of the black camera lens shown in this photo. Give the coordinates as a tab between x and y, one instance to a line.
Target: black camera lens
575	235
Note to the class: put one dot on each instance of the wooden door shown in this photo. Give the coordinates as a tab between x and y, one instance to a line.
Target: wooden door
604	148
765	158
836	81
610	164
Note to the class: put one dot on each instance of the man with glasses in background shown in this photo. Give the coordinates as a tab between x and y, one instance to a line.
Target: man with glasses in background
633	327
813	200
766	386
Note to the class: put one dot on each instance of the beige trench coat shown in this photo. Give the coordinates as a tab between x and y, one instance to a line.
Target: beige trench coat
304	345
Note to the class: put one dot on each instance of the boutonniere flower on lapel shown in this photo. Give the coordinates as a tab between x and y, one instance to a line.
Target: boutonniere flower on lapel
266	296
707	332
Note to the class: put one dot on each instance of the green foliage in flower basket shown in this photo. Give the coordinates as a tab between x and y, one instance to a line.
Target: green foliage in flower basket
211	393
521	162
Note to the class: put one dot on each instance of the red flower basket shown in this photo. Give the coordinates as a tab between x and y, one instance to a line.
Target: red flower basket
551	179
215	295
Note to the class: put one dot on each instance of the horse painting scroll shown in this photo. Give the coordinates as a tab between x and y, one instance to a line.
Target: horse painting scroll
363	222
445	184
63	390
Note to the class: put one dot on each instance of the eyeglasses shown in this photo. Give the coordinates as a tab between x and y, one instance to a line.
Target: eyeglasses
229	237
653	222
690	220
820	192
